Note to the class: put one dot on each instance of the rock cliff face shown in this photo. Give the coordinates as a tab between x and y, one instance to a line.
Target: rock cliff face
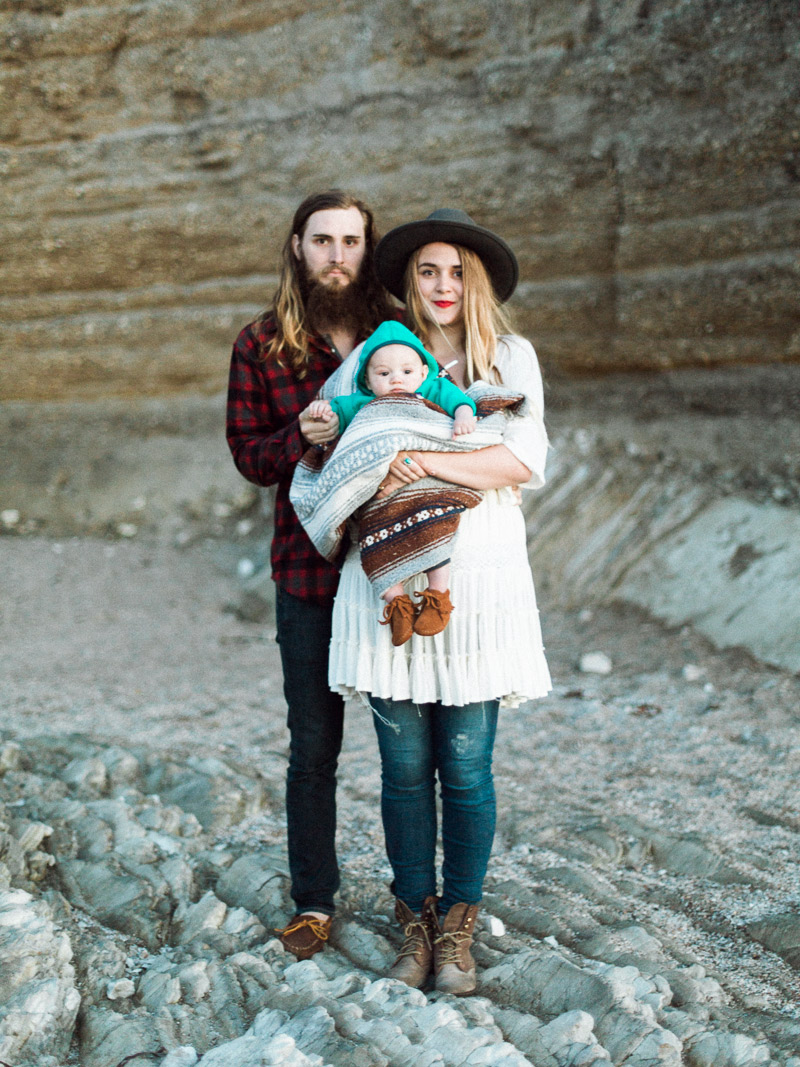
643	157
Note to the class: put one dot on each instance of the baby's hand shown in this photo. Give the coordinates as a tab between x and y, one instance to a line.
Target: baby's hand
319	409
464	421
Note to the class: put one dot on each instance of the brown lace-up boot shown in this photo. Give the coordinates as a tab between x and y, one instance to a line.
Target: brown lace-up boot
433	614
453	964
415	959
399	614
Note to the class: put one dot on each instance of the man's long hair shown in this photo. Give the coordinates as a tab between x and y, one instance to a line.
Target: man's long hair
484	316
293	330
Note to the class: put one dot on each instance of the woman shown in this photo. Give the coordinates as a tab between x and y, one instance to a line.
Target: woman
435	699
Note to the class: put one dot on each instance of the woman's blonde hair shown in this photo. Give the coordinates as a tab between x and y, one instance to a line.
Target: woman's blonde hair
484	316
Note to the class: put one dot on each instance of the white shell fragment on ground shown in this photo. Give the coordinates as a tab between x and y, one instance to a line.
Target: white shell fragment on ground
497	927
596	663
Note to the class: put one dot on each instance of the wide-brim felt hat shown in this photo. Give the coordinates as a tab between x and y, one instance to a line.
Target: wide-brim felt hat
453	227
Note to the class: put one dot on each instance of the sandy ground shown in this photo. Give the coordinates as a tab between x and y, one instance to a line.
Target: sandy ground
662	795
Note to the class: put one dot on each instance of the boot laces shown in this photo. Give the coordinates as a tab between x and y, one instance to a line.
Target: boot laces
450	945
417	937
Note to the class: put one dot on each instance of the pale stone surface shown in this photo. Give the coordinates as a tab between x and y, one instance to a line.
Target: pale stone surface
183	1056
567	1029
643	863
724	571
107	1037
121	989
252	1051
190	921
257	883
652	528
733	1050
779	933
38	999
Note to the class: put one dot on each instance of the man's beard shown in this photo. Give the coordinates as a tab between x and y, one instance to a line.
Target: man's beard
332	306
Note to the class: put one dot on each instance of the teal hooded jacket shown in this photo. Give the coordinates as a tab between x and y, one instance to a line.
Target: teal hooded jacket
438	390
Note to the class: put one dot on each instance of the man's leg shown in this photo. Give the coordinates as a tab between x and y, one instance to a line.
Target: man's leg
315	720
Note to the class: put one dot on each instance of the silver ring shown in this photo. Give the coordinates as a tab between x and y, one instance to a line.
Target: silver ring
407	460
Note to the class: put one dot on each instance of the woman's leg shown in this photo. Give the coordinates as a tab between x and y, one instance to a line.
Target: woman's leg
463	738
408	798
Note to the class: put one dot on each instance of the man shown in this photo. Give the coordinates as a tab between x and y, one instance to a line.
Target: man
328	300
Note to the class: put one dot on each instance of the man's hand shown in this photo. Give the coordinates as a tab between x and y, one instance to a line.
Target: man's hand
318	429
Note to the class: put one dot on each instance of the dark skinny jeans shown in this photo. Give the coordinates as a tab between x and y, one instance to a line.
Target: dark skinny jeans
315	719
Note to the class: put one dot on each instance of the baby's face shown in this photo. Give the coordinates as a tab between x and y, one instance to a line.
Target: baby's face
395	369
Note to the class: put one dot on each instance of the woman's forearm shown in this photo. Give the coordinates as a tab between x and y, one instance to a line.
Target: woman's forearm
486	468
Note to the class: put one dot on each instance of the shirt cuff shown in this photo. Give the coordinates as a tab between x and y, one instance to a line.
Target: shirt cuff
295	444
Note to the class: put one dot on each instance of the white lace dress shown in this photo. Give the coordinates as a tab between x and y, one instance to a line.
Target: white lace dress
492	647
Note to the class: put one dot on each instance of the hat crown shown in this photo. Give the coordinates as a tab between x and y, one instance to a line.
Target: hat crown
451	214
446	225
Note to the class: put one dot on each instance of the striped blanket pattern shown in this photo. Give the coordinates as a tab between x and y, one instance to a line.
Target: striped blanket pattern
411	530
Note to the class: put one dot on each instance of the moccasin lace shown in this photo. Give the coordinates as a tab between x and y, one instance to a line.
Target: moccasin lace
317	927
399	614
431	600
401	606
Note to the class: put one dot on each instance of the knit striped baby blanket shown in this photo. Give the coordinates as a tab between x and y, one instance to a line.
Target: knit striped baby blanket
411	530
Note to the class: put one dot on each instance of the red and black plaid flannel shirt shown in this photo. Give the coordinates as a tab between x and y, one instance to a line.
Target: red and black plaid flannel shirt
264	401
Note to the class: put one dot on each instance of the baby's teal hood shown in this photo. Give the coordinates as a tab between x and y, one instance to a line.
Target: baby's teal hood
392	332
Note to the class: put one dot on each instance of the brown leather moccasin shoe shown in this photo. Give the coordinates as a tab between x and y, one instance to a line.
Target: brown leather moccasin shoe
433	614
399	614
305	935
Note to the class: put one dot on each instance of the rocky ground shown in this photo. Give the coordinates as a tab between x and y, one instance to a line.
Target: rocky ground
642	903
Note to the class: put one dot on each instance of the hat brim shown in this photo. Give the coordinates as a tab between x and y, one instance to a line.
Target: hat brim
394	251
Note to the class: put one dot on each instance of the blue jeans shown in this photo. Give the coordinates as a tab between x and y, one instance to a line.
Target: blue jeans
315	720
418	742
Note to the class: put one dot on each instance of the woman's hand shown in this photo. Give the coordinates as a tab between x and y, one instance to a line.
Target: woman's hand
318	429
404	469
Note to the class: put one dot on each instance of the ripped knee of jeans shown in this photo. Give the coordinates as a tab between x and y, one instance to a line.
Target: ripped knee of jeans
460	744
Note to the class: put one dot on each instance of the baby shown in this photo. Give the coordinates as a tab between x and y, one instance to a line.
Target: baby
394	360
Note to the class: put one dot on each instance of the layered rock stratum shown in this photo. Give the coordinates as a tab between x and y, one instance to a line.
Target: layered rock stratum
642	156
